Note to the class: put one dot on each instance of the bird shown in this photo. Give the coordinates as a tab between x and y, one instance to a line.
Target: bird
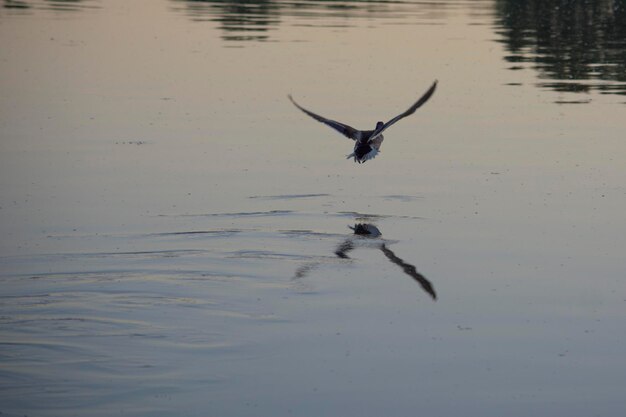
367	142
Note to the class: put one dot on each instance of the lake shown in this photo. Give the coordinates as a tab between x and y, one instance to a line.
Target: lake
179	240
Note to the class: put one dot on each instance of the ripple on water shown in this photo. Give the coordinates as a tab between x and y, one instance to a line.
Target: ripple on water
153	307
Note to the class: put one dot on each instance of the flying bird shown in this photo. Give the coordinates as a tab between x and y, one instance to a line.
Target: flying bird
367	142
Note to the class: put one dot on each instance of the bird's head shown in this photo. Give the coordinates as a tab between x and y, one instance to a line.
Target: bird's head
379	125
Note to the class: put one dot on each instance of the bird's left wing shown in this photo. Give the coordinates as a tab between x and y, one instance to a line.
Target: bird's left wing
344	129
409	112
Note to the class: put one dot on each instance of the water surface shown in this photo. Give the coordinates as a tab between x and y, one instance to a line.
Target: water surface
178	239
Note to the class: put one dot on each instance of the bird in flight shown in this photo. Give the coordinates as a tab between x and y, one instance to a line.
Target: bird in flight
367	142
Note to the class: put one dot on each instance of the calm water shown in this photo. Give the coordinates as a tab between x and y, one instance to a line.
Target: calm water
178	239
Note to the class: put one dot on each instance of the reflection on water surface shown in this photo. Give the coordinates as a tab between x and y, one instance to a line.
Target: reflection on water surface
369	236
55	5
250	20
210	271
576	46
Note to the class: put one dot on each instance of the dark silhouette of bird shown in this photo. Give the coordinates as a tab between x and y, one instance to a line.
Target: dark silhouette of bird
367	142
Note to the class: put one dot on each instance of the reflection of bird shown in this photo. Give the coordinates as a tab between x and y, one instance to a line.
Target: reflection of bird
366	229
410	270
367	142
370	231
362	229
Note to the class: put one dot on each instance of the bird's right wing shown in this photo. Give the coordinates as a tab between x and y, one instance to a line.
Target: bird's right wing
408	112
344	129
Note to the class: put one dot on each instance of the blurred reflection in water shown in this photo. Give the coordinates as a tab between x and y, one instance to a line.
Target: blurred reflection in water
574	43
16	4
56	5
249	20
369	236
240	20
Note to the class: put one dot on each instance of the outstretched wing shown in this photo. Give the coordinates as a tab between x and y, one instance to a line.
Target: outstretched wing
409	112
344	129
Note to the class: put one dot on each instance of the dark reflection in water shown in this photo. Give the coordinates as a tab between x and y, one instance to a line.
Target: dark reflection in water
250	20
16	4
370	231
575	45
240	20
56	5
410	271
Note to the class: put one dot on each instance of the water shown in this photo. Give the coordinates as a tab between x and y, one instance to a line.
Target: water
178	239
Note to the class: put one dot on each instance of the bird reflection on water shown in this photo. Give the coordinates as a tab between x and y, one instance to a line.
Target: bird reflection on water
373	235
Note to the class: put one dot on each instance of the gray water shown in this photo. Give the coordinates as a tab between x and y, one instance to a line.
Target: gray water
178	239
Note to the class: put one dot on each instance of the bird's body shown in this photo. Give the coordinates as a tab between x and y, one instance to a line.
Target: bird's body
366	148
366	142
